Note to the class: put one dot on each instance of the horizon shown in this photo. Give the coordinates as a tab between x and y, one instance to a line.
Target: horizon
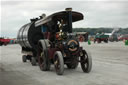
73	28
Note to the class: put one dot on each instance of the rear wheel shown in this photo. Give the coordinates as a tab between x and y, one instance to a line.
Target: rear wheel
24	58
86	62
98	40
33	61
47	43
1	43
106	40
43	59
59	63
5	44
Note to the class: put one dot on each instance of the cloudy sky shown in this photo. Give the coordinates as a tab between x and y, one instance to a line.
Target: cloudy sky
97	13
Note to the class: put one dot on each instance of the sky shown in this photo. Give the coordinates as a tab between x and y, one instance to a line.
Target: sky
97	13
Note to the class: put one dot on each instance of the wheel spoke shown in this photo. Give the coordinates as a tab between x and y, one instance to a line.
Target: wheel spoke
57	65
41	54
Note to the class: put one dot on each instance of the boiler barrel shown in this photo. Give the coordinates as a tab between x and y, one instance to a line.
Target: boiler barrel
28	36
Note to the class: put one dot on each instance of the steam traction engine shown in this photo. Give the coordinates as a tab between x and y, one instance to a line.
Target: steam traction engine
49	40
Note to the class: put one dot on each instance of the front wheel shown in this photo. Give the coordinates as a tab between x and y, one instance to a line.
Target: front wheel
86	62
98	40
59	63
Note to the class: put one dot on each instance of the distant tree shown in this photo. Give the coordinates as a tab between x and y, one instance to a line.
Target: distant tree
93	31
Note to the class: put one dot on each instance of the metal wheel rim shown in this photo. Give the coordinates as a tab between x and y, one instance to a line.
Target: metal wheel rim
41	53
57	63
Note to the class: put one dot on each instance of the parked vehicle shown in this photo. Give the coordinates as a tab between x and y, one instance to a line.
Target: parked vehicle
101	37
49	40
4	41
114	35
82	36
123	37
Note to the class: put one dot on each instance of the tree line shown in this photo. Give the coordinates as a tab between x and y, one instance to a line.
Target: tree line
93	31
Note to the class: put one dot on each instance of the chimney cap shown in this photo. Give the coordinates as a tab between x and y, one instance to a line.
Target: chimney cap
68	9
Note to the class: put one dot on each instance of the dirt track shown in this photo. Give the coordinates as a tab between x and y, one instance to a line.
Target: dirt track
110	67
